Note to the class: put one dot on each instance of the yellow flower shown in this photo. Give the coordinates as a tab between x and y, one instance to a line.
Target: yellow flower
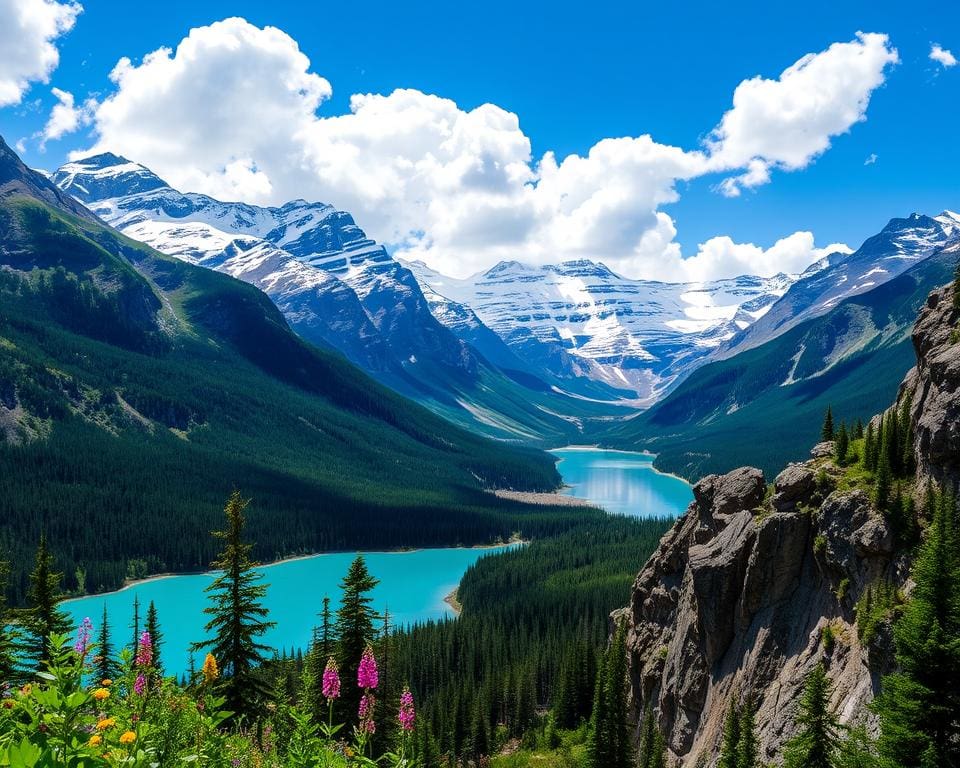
107	722
106	682
210	670
128	737
26	689
101	693
96	740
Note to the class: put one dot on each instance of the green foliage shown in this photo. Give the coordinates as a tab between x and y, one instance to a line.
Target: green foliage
730	746
609	745
842	444
748	750
919	705
653	750
875	607
42	618
105	664
817	740
156	636
826	431
354	629
237	615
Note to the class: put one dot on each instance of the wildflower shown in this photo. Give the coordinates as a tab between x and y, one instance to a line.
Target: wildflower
367	676
83	637
107	722
331	680
367	704
25	690
144	650
128	737
8	703
407	715
210	670
95	741
140	684
106	682
101	693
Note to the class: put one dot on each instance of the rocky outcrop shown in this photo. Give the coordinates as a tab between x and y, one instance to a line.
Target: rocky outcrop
737	598
752	587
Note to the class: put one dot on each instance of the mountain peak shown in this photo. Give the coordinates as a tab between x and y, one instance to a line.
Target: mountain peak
105	175
583	268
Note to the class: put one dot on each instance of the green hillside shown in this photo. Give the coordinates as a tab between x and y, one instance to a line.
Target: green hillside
764	407
136	391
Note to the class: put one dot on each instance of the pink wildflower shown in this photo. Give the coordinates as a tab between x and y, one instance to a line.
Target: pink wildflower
407	715
367	676
144	650
83	637
331	681
140	684
367	704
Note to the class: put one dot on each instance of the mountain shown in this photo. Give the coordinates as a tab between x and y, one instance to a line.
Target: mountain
137	390
763	406
337	289
580	319
894	250
753	588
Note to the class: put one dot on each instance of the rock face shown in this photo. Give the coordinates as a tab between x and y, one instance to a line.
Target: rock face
738	598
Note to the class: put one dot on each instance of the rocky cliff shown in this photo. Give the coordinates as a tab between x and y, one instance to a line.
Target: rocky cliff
754	585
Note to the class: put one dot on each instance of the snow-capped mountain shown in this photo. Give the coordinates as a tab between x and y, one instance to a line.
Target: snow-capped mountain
900	245
579	318
335	286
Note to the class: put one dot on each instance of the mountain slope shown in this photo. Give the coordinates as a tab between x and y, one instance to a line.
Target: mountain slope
337	289
579	319
136	391
763	406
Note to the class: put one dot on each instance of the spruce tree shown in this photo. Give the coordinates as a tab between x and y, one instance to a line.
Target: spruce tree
354	628
842	444
609	745
881	493
43	617
919	704
907	461
815	745
106	665
237	616
156	636
869	448
653	751
135	626
826	431
730	746
858	430
748	752
8	637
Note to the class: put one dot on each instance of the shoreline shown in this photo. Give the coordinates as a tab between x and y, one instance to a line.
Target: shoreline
545	499
133	583
453	602
644	452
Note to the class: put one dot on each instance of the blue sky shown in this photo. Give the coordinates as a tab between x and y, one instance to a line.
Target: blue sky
577	73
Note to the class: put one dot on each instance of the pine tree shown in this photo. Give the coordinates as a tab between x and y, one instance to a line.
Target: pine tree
8	637
237	616
354	628
815	745
826	431
43	617
747	749
326	630
881	493
156	636
869	448
858	430
609	744
730	746
135	626
842	444
919	705
106	665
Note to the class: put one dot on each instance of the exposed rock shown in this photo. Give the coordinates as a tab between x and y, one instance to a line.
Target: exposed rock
795	483
824	450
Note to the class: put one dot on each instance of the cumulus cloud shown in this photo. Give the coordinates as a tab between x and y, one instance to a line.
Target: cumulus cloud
788	122
942	56
65	117
28	32
233	111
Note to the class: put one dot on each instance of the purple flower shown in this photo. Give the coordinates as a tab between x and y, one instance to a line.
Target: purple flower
367	704
83	637
331	680
140	684
407	715
144	650
367	676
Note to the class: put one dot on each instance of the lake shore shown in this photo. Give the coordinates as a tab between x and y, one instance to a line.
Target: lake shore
453	602
552	499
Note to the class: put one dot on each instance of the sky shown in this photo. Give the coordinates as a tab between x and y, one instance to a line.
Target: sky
683	141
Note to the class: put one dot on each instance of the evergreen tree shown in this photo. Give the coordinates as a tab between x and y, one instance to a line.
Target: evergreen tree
730	746
135	626
43	617
919	705
858	430
826	431
8	637
907	461
326	630
609	745
354	628
237	616
747	749
869	448
156	636
815	745
106	665
881	493
842	444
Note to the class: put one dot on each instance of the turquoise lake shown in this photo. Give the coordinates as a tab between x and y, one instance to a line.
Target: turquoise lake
622	483
413	584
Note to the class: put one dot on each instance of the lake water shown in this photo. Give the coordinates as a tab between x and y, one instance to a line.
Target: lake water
622	482
412	584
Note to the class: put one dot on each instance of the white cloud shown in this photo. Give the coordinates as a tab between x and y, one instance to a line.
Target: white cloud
871	159
28	31
65	117
942	56
788	122
232	111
